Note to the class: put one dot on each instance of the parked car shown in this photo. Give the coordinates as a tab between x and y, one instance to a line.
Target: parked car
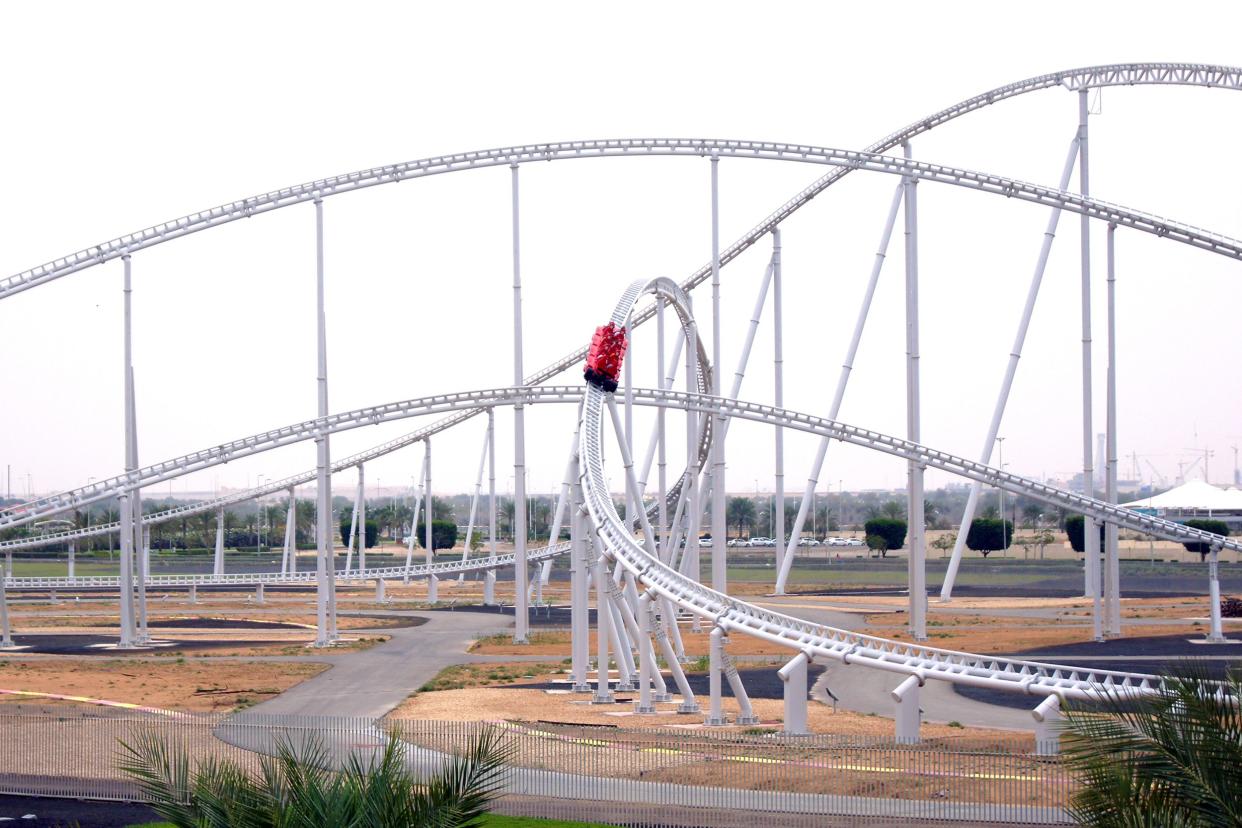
739	542
805	541
705	543
854	542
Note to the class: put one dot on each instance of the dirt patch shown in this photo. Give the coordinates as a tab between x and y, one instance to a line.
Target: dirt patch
188	685
518	704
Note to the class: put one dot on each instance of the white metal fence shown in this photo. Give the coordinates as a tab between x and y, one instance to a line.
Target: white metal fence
673	777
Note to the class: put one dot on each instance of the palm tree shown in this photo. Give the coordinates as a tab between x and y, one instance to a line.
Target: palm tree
295	788
1174	759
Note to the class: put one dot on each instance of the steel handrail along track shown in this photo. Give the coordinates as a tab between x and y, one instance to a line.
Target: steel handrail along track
619	544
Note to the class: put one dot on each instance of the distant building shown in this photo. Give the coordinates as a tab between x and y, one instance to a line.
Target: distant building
1195	498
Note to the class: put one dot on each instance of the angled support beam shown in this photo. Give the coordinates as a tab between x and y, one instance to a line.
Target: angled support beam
289	558
715	659
847	367
1011	370
474	502
778	360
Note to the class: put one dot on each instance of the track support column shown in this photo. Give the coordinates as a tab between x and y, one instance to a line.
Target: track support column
6	632
603	631
1091	535
259	597
778	360
521	609
217	563
715	715
646	657
73	548
917	568
193	593
489	577
909	716
719	528
128	637
793	676
289	560
1112	556
325	565
433	583
1047	734
1215	635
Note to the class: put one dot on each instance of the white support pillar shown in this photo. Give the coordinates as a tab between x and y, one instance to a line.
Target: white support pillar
1011	370
661	458
259	597
603	631
646	658
289	559
746	713
1091	535
793	676
433	583
1215	633
361	511
474	504
847	367
580	591
418	504
489	578
1047	733
521	611
778	359
6	632
381	595
217	563
193	593
909	716
917	537
715	660
128	634
1112	556
719	550
325	565
72	553
144	571
689	704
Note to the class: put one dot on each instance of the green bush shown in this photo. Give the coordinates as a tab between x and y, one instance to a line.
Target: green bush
989	534
1218	527
877	543
893	530
372	531
443	534
1073	528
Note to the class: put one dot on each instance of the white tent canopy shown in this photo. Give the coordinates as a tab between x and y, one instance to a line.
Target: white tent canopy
1193	496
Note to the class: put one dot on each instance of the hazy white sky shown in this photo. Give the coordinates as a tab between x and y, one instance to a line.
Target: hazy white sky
122	115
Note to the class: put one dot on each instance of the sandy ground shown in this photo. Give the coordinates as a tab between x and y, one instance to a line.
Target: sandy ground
558	644
191	686
515	704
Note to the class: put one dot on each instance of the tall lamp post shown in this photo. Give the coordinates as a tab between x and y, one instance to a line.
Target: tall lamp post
1000	457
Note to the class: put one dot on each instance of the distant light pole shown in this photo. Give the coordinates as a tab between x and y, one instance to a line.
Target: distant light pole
1000	449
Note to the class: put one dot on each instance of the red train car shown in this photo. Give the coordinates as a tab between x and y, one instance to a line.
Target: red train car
604	357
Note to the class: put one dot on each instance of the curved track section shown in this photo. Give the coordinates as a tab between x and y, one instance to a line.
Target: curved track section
1121	74
618	543
1133	74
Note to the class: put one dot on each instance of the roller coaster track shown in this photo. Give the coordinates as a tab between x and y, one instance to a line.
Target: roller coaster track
614	539
1183	74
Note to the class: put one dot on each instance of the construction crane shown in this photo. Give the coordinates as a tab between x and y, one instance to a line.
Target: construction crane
1207	454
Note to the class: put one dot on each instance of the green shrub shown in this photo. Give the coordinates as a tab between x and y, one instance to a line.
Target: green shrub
1218	527
893	530
989	534
1073	528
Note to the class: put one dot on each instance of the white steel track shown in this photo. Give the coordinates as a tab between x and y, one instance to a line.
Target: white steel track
1126	74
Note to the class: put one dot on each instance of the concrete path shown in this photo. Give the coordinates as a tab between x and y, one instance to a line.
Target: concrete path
369	683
